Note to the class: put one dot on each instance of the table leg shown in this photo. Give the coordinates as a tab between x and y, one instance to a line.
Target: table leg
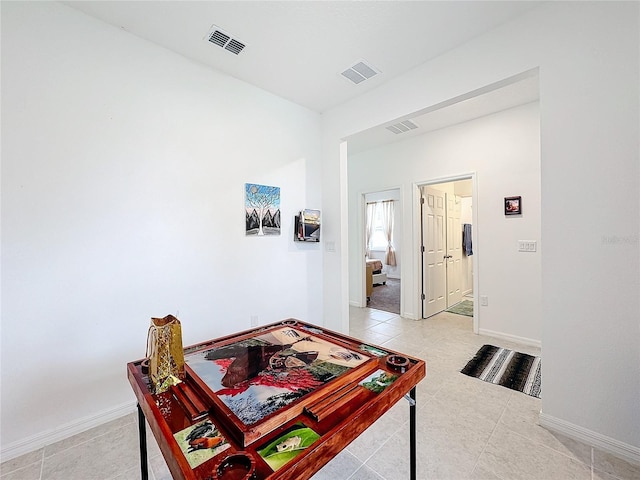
142	431
412	434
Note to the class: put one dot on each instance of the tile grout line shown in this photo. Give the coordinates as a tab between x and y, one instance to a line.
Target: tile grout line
41	465
548	447
44	457
23	467
377	449
504	409
356	470
373	454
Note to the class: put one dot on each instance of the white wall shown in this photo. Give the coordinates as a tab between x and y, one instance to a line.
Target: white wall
588	57
504	152
123	171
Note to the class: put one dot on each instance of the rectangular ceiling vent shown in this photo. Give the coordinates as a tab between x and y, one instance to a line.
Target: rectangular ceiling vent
402	127
359	72
218	37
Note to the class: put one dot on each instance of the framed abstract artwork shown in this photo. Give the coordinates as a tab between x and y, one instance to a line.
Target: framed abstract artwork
262	209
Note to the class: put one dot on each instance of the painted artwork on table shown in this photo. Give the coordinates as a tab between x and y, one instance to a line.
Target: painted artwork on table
263	374
262	209
200	442
378	381
373	350
288	445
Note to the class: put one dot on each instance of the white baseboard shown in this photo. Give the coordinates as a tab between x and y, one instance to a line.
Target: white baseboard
513	338
596	440
62	432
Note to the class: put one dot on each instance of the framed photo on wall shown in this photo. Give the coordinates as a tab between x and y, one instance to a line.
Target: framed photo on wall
513	205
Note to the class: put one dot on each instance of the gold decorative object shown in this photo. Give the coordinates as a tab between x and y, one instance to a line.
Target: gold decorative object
165	353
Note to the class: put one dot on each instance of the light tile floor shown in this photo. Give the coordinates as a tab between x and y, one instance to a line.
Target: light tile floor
467	429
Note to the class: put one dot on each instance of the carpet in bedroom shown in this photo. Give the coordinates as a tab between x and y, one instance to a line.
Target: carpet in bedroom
386	297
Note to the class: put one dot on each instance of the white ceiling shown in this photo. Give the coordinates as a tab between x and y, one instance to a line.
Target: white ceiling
297	49
509	93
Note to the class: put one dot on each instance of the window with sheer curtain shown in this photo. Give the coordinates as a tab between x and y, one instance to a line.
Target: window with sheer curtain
379	226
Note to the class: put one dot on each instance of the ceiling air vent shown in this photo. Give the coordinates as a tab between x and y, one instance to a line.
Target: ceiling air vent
402	127
359	72
224	40
234	46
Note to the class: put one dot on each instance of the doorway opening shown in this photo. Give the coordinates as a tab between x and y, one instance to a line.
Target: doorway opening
382	240
446	245
504	132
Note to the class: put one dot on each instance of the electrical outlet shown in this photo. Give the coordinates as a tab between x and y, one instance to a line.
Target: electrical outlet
484	300
254	320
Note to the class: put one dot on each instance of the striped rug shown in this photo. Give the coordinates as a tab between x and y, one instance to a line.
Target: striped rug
514	370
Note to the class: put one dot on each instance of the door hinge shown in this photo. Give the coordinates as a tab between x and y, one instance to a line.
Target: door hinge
423	296
421	200
422	249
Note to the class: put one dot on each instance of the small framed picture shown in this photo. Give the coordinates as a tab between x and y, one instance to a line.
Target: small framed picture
513	205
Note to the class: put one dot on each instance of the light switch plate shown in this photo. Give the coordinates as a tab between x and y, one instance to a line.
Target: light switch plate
527	245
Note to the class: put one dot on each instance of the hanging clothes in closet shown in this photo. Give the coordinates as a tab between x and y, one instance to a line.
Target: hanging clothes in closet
467	246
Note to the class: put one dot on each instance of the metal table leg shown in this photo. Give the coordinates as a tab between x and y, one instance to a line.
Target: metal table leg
142	431
411	398
412	434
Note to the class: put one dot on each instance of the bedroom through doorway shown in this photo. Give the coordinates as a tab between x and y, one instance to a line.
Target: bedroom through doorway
382	256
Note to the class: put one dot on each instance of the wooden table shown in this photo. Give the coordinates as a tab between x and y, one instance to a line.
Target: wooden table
275	402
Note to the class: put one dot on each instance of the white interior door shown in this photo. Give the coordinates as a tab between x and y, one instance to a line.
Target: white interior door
434	274
454	250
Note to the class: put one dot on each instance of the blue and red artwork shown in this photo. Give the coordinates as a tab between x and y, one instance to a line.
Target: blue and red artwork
260	375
